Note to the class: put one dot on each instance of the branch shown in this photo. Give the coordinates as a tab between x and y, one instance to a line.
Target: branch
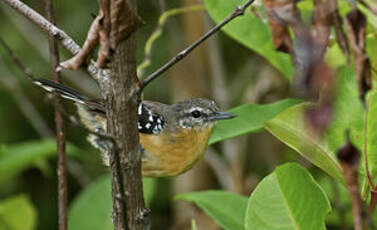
59	124
44	24
67	42
237	12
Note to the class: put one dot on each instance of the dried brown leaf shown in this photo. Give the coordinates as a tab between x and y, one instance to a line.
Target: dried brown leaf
356	26
104	33
90	43
279	21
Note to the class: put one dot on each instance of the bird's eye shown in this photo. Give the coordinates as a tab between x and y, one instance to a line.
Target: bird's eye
196	113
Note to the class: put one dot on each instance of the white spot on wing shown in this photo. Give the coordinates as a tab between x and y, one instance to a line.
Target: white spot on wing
139	109
148	125
155	130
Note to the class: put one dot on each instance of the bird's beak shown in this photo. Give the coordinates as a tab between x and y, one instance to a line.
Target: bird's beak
221	116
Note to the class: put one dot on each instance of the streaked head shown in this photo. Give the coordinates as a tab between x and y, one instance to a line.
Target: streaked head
198	112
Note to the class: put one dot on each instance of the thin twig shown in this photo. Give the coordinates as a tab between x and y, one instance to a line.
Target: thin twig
16	60
67	42
44	24
21	99
59	124
237	12
27	108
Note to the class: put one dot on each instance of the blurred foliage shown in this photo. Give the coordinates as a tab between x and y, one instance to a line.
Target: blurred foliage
95	202
14	208
21	156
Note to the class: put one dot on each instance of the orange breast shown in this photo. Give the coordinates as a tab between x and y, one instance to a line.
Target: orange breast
173	154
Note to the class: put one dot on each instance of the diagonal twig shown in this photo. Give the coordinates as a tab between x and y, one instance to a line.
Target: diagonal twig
16	60
158	31
67	42
45	25
237	12
22	100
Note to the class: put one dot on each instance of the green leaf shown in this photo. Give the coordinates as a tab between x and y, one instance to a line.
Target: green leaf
250	118
371	141
290	127
348	112
92	208
227	209
338	195
17	157
17	213
287	199
251	32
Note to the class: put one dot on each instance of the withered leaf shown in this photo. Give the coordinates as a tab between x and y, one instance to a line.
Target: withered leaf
356	26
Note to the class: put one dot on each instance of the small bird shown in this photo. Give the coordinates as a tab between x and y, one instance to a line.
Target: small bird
172	137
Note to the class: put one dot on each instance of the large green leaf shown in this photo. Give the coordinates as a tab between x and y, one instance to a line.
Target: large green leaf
250	118
92	209
227	209
17	157
291	128
287	199
250	31
17	213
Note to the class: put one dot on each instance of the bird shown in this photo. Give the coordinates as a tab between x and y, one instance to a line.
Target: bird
172	137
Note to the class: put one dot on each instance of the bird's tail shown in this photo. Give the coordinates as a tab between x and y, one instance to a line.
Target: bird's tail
63	91
67	92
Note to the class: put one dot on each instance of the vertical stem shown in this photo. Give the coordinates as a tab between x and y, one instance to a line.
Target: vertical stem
121	106
366	146
59	124
125	159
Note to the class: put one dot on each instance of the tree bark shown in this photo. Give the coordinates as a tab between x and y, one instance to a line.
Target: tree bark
121	107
